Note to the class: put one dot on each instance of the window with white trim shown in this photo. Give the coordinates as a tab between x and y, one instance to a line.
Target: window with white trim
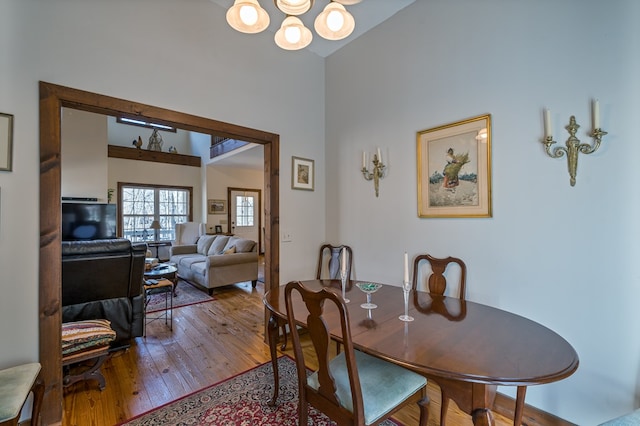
140	205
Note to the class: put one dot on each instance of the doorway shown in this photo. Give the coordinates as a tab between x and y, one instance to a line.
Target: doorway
244	213
52	99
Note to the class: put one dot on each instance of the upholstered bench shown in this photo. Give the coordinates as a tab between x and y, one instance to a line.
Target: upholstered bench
86	341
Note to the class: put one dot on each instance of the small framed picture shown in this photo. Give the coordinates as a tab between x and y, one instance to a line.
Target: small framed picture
218	229
302	174
217	206
6	141
454	169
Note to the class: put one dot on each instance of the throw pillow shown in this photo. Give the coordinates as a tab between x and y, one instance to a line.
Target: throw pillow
244	246
230	250
204	243
218	245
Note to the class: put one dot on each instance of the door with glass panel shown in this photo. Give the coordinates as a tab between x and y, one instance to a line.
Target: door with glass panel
244	212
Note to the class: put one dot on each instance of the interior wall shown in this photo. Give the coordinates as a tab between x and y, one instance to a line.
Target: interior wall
83	45
560	255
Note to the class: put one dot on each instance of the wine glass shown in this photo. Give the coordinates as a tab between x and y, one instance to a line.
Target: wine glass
343	278
368	289
406	288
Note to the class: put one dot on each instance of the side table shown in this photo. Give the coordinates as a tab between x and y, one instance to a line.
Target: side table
163	270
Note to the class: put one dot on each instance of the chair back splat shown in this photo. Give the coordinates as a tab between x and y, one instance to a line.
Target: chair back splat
351	388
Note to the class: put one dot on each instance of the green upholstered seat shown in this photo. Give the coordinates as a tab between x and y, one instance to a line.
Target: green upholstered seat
398	384
15	385
630	419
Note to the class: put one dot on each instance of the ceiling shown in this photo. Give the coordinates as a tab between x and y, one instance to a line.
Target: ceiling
367	14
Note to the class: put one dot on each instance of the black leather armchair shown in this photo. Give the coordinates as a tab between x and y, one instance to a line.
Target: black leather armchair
103	279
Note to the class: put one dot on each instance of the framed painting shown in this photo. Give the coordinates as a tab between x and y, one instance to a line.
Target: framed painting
302	173
454	169
6	141
217	206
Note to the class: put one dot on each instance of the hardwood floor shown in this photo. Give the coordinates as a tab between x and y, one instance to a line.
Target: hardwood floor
209	343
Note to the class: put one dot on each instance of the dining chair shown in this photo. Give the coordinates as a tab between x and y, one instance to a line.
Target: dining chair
329	265
437	284
330	261
437	281
353	388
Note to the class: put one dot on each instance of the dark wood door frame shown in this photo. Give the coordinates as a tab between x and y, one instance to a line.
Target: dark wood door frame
52	99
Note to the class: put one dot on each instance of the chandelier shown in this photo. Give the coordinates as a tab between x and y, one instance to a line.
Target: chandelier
333	23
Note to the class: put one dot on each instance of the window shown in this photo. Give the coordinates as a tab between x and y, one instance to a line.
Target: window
147	124
244	210
140	205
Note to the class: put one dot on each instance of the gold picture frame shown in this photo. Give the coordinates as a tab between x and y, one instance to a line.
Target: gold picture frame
454	169
302	173
217	206
6	141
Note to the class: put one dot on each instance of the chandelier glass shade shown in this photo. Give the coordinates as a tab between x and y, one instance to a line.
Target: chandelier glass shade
333	23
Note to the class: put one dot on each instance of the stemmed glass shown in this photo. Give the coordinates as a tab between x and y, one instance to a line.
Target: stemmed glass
343	278
406	288
368	289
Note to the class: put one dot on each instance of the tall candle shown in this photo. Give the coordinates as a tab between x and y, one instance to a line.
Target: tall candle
406	267
379	156
596	114
364	159
547	122
343	262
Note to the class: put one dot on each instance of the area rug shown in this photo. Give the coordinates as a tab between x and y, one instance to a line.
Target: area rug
239	401
186	294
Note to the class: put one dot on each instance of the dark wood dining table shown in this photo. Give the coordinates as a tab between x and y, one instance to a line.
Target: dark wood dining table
466	348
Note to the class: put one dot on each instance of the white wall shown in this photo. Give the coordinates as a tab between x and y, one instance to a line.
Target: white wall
84	155
563	256
192	62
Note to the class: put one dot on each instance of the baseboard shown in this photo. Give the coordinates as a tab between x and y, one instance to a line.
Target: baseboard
532	416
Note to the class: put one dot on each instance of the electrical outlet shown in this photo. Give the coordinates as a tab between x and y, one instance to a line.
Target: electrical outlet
223	221
286	236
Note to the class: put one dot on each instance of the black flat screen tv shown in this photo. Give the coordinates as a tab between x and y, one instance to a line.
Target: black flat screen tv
88	221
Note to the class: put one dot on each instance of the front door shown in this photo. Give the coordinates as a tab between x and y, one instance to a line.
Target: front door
244	209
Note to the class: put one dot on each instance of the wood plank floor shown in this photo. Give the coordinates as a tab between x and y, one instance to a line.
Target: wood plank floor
210	342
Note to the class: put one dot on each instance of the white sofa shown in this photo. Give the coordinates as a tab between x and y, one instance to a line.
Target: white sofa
216	261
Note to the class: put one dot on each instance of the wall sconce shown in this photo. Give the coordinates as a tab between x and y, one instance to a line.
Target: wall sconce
573	145
379	169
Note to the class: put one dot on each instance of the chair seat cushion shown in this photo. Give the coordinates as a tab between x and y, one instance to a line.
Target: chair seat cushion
83	335
384	385
630	419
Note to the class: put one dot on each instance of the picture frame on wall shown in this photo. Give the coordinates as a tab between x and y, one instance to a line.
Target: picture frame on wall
6	141
302	173
454	169
217	206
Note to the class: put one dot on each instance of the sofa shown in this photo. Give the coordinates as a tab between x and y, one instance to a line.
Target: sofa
102	279
216	261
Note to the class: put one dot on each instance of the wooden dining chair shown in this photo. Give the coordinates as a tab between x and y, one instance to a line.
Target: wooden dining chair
329	265
353	388
437	284
437	281
330	261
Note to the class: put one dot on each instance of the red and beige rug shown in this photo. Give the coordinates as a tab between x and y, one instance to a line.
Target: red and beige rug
239	401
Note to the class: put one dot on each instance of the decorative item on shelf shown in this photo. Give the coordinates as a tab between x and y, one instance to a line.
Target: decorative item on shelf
573	145
155	141
173	150
155	225
109	195
333	23
379	169
137	142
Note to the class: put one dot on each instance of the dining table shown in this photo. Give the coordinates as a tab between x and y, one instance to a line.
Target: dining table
466	348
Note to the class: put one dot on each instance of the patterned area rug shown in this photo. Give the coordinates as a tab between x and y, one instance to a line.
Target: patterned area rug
240	400
186	294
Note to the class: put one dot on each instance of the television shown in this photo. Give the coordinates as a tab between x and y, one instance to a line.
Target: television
88	221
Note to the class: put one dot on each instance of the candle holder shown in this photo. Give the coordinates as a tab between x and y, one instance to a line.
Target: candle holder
573	147
406	288
379	172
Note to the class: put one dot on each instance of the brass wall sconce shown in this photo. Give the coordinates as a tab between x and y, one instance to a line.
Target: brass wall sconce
379	169
573	145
